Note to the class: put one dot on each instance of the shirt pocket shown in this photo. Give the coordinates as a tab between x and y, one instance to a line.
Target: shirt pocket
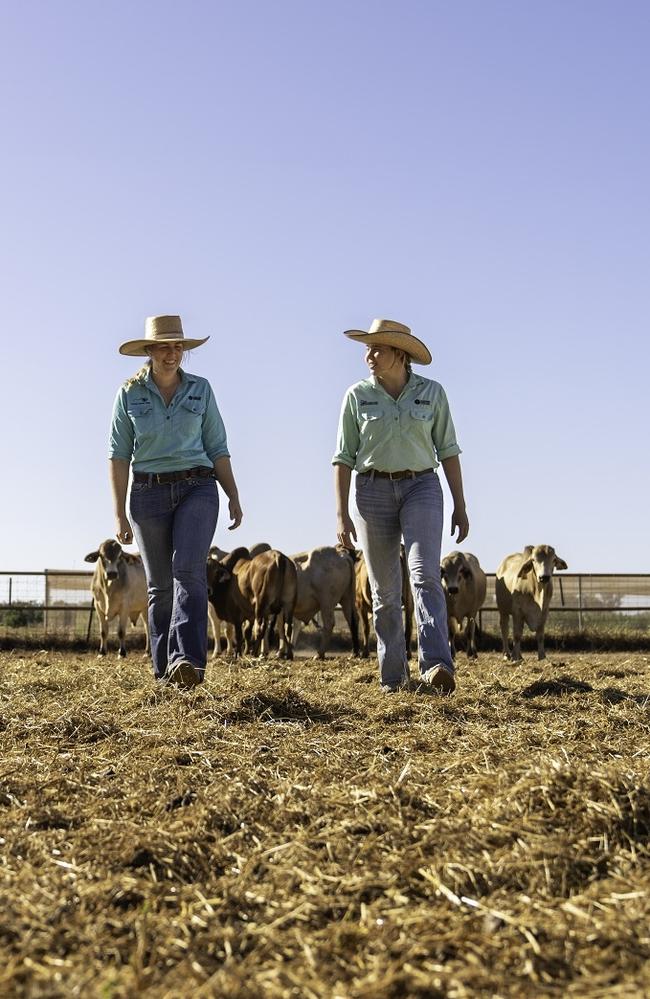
142	416
370	415
423	414
191	412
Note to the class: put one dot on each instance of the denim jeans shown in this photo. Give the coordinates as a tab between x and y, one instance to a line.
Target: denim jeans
389	510
174	524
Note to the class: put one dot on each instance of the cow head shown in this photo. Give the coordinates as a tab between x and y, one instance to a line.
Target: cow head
221	565
541	560
109	554
454	569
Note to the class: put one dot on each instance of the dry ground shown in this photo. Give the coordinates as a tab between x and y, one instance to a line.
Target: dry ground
289	831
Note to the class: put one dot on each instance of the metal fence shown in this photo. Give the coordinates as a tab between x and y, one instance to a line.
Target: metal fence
59	603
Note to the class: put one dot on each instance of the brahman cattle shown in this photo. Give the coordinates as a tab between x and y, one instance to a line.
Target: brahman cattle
226	627
524	586
325	578
254	592
464	584
364	602
119	589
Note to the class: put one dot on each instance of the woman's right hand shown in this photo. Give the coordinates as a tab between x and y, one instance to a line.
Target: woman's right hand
345	530
124	534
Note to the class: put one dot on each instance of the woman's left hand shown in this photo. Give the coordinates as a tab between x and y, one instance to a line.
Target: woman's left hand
235	512
460	520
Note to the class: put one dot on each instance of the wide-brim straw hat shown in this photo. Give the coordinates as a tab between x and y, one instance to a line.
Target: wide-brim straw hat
388	333
157	330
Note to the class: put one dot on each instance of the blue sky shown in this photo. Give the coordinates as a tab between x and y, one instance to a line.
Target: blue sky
279	172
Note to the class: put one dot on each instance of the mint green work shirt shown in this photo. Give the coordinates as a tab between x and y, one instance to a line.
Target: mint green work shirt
159	438
414	431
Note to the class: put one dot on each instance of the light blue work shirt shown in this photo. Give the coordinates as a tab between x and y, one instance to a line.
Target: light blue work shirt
414	431
187	433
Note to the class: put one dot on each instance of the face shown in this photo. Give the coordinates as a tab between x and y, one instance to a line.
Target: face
166	357
382	360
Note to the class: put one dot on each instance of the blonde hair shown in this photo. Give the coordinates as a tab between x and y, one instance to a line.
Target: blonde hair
140	376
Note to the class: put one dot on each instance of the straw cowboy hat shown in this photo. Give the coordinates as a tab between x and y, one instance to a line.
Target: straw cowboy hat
387	333
157	330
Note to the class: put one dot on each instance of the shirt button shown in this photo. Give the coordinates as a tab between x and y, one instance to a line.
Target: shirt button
169	417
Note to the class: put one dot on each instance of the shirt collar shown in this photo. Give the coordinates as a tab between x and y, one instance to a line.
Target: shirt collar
414	382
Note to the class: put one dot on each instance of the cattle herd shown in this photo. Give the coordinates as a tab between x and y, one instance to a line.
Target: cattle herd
258	593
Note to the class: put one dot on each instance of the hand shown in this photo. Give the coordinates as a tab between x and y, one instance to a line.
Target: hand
235	512
345	531
459	520
124	534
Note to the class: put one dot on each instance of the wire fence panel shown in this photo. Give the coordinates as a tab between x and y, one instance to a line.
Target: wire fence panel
59	603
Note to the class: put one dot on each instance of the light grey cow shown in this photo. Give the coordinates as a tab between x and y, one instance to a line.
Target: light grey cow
464	584
119	589
524	587
325	579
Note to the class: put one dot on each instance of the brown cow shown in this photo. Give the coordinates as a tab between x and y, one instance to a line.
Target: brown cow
119	589
364	602
464	584
216	554
325	579
524	587
252	592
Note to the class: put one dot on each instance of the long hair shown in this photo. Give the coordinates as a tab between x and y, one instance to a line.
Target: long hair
140	375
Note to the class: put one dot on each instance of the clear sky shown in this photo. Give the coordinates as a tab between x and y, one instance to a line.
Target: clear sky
279	172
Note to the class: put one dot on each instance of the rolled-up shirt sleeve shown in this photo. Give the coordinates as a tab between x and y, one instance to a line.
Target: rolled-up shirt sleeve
122	435
214	431
347	441
443	432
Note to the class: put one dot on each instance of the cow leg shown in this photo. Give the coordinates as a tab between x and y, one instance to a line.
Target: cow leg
504	621
452	627
231	639
350	614
327	616
239	639
215	626
245	642
121	632
103	634
364	622
295	631
287	630
517	632
147	643
539	635
470	638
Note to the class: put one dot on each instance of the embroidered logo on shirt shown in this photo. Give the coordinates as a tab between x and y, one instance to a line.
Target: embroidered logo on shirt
197	398
373	402
423	402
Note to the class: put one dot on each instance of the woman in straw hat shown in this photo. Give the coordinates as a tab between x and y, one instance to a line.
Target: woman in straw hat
167	428
394	430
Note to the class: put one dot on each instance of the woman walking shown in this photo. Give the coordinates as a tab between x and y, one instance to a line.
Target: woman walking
167	429
394	430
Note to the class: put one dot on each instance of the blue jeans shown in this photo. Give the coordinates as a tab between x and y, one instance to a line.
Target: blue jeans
389	510
174	524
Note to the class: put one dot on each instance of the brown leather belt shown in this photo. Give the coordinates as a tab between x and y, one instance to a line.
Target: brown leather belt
406	474
202	472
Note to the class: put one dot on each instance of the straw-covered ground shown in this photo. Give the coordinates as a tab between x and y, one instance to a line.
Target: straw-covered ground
289	831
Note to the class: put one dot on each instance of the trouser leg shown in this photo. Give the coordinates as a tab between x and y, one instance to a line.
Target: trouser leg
195	520
421	517
380	535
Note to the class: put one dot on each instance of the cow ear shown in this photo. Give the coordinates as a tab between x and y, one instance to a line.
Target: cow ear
559	563
92	557
525	569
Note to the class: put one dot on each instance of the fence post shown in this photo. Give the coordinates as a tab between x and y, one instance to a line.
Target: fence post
10	582
580	604
47	604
